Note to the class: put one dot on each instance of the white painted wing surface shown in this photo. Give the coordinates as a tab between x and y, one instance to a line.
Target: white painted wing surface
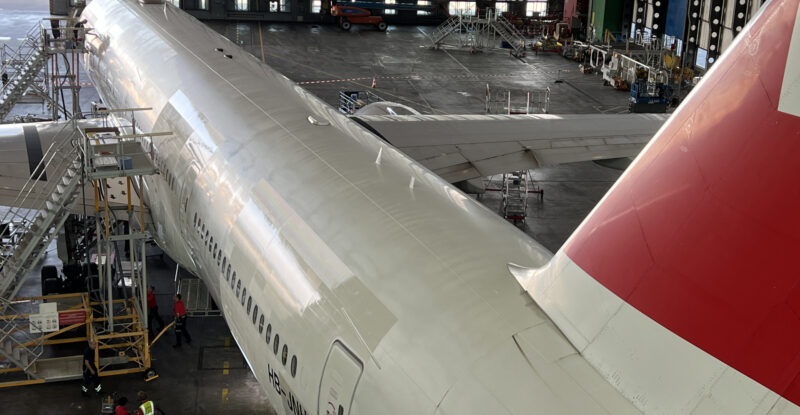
463	147
24	148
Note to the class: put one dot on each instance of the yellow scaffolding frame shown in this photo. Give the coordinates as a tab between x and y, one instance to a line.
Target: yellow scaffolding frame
131	346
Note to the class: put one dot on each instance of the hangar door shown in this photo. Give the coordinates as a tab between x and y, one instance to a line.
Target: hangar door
339	380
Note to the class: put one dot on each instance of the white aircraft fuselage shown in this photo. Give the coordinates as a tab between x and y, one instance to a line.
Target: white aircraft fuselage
356	281
326	248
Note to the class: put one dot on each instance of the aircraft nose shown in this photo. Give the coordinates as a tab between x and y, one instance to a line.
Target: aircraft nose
536	371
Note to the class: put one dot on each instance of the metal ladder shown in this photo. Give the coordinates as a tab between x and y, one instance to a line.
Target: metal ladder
22	69
445	29
515	196
509	33
18	346
33	229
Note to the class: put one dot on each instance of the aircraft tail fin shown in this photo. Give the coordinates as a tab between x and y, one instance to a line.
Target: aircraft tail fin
680	287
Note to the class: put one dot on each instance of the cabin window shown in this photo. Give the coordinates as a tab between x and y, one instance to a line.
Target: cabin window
238	288
269	332
244	295
224	260
228	273
233	279
194	221
276	345
260	323
294	365
284	354
250	304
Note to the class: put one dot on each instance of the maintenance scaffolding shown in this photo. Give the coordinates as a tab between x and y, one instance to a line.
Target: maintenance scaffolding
43	66
86	155
478	32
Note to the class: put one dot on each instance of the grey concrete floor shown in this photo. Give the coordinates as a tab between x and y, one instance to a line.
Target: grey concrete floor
407	70
450	81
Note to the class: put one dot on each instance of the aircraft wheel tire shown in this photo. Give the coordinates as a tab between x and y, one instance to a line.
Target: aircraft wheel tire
382	26
346	25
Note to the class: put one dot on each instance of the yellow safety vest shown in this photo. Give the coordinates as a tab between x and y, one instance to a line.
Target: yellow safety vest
148	408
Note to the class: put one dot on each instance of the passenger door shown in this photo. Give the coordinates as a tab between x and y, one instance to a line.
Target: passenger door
339	380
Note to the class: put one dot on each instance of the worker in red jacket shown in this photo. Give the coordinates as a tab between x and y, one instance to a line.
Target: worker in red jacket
179	309
152	311
120	408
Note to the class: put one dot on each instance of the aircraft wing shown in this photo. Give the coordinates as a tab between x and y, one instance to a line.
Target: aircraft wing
24	148
463	147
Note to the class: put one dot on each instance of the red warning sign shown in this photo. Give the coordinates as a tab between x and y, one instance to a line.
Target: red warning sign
68	318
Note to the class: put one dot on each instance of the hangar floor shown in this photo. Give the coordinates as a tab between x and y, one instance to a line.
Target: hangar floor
451	81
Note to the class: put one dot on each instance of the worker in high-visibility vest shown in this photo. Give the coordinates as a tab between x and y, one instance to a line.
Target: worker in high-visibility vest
146	406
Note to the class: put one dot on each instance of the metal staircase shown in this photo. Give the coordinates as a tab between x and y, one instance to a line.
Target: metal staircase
477	31
445	29
33	229
22	70
515	196
509	33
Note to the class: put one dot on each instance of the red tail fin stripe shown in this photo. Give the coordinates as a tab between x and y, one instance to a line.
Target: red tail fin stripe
702	233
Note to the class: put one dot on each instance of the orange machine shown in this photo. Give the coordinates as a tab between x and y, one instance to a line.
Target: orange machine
350	15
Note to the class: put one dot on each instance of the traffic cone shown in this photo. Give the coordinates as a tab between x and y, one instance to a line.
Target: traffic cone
374	84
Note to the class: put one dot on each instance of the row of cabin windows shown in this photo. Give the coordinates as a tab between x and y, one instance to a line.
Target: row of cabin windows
241	293
162	166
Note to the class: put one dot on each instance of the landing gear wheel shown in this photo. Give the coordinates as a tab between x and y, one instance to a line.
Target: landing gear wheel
150	374
346	25
382	26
